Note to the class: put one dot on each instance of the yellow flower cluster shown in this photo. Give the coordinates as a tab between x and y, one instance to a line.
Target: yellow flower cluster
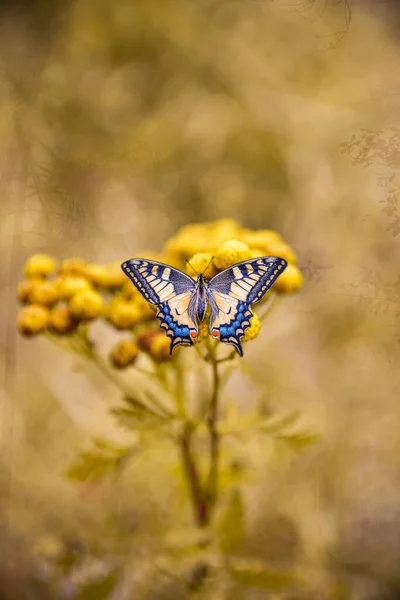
58	297
212	247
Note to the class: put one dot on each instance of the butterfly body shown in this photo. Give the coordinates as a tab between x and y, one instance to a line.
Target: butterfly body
182	301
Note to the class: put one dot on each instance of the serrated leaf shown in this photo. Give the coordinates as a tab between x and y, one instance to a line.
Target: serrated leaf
95	464
231	526
300	440
271	425
138	414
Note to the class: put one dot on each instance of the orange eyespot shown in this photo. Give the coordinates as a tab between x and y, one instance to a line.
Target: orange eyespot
215	333
193	334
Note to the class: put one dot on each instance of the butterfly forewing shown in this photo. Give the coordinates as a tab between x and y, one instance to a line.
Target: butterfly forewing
232	291
172	291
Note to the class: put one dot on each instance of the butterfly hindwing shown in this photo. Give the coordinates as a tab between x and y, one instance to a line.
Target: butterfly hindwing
232	291
229	318
172	291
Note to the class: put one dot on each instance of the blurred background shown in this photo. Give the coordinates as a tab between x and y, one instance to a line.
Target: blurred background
120	122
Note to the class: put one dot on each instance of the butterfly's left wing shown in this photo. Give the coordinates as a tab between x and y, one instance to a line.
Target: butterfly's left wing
172	291
231	292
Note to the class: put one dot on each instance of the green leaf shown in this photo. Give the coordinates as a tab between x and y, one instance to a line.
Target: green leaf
139	414
254	575
231	526
98	463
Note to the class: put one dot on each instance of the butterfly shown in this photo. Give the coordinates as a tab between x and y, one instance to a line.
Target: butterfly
182	301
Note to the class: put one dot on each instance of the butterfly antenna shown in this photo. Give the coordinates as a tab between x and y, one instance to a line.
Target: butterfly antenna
186	261
212	258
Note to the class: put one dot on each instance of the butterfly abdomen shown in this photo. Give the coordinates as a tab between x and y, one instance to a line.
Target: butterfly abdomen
201	303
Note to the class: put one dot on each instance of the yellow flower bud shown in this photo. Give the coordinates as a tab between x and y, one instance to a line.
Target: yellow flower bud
39	265
123	314
124	353
160	347
73	266
282	250
230	253
289	281
44	292
144	339
129	291
32	319
200	262
86	305
97	274
146	309
115	277
260	239
254	329
61	321
70	285
24	289
204	327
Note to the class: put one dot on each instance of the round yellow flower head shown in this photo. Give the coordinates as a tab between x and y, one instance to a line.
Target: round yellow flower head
32	319
39	265
129	290
73	266
123	314
61	321
282	250
291	280
223	230
230	253
24	289
260	239
146	310
97	274
44	292
115	277
199	263
254	329
160	347
86	305
204	327
144	339
124	353
69	285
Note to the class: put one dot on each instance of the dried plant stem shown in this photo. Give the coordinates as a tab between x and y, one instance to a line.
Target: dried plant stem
193	476
212	491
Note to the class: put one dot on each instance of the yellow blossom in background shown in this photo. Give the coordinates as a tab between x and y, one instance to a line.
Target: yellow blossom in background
25	288
86	305
44	292
61	321
123	314
199	263
254	329
282	250
230	253
32	319
73	266
290	281
160	346
39	265
70	285
124	354
260	239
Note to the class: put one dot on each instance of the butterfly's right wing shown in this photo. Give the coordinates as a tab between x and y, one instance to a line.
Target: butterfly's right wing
172	291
